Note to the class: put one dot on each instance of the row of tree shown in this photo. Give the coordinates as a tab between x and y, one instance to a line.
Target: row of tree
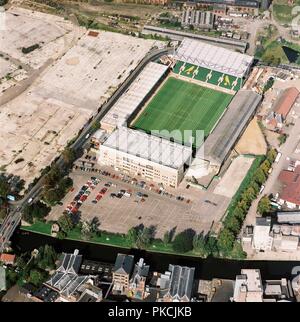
247	193
56	185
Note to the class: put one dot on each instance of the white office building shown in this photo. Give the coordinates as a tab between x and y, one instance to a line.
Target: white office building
139	154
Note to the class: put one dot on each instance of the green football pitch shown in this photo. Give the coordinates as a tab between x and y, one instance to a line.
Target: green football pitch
181	105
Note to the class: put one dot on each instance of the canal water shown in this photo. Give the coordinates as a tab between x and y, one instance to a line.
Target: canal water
208	268
291	54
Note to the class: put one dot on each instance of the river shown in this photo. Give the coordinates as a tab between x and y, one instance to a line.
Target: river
208	268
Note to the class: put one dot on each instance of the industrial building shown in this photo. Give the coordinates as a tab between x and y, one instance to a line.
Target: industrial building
282	108
198	19
153	158
250	7
178	284
248	286
262	240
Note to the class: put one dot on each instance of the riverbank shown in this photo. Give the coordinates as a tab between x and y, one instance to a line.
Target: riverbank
106	239
207	269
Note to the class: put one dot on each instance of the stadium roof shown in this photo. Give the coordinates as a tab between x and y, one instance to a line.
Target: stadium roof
135	95
220	142
213	57
149	147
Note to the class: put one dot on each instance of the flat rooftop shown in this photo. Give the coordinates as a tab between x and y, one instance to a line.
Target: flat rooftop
213	57
148	147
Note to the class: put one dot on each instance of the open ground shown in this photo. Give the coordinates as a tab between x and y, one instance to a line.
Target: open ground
181	105
38	124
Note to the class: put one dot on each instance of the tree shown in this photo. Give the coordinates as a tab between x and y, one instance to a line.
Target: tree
144	236
37	277
225	241
233	224
259	176
132	235
65	223
264	205
4	186
51	196
68	156
239	213
37	210
271	155
199	245
212	246
46	257
265	166
53	176
167	238
238	252
183	242
65	184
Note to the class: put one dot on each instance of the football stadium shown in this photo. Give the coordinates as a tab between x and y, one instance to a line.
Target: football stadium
180	105
200	90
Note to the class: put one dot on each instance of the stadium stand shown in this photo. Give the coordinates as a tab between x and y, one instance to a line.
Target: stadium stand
134	97
224	136
212	64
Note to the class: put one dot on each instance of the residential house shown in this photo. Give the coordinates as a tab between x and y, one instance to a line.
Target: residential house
138	280
290	195
7	259
122	272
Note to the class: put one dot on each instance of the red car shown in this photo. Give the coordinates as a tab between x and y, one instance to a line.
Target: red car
98	197
83	198
103	191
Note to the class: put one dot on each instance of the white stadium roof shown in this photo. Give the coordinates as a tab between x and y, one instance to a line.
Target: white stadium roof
148	147
135	95
213	57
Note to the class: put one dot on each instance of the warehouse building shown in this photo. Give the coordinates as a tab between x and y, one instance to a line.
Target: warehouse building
139	154
250	7
137	94
198	19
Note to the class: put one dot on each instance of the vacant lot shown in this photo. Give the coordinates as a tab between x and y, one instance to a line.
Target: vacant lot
234	176
181	105
252	141
25	28
38	124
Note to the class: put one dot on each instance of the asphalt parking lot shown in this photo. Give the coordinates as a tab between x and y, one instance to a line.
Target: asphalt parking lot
118	215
